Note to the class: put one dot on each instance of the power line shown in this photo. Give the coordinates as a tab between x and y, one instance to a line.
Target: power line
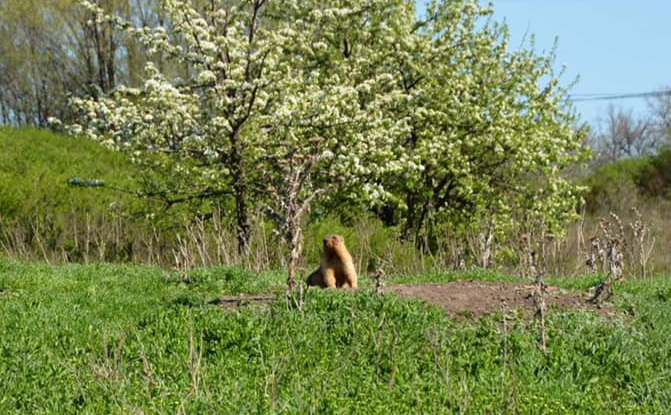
610	97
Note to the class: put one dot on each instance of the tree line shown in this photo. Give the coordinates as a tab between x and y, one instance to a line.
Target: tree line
621	134
55	49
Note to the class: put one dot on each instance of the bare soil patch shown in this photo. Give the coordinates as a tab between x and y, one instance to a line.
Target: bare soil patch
475	299
464	299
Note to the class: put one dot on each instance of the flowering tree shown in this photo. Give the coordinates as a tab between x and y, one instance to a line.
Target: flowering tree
490	131
277	98
330	113
196	126
283	103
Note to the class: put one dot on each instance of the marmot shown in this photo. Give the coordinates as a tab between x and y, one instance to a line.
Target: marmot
337	268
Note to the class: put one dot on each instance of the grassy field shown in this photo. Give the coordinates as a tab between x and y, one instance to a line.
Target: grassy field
118	339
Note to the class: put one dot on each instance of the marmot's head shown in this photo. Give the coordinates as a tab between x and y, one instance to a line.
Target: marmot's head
333	241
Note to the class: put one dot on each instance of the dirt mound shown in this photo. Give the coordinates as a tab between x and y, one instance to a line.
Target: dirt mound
475	299
464	299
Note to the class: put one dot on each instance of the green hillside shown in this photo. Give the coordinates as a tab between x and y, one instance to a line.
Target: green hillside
36	164
43	217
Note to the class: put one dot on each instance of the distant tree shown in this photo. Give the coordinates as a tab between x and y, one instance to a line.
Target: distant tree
622	135
660	106
54	49
30	68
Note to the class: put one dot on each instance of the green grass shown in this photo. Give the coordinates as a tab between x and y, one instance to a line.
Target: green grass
126	339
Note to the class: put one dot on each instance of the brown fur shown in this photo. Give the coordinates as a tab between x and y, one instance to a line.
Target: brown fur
337	268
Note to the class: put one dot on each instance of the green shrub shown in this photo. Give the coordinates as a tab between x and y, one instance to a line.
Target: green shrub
655	177
616	183
613	184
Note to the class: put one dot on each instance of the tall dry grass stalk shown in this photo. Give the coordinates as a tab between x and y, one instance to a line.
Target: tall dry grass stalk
204	242
643	244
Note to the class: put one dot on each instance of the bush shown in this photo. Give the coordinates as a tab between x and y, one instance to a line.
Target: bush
626	180
654	179
614	183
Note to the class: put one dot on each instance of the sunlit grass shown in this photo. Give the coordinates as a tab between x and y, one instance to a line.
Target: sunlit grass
129	339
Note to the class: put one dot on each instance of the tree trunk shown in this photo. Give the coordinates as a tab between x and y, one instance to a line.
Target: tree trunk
240	190
415	227
242	214
295	236
486	242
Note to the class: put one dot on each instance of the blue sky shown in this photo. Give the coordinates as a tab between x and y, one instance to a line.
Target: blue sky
614	46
